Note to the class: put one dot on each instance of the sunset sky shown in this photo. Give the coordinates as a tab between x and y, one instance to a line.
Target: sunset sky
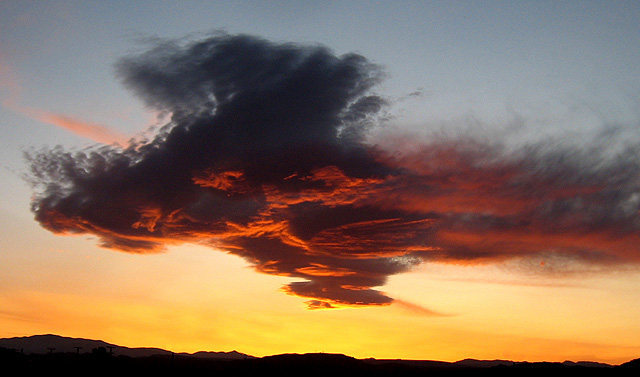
417	180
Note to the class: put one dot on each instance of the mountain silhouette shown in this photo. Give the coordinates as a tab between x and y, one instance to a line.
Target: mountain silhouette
45	353
483	363
635	363
40	344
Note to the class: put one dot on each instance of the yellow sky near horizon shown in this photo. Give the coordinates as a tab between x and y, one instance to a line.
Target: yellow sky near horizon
193	298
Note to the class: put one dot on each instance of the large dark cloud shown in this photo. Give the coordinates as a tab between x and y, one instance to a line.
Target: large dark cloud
265	157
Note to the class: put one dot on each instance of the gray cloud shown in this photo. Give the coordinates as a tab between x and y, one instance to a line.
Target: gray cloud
265	157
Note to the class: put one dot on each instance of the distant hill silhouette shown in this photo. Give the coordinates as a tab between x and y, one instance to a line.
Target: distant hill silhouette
635	363
232	355
589	364
52	353
43	343
483	363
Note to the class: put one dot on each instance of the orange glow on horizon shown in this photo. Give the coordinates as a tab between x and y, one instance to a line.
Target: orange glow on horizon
202	297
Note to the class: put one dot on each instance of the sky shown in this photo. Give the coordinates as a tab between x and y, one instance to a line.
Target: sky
418	180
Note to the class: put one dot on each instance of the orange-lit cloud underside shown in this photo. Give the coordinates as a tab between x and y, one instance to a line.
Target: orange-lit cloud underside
344	235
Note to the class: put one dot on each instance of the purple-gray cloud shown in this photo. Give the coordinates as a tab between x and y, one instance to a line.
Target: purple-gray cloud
265	157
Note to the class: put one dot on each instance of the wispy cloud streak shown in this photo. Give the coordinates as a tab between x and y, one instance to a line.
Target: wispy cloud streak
11	100
89	130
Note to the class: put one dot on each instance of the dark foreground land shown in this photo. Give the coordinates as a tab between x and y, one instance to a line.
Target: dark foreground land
45	355
100	362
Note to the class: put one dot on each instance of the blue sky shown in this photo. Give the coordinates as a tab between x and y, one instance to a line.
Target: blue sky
545	68
489	55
